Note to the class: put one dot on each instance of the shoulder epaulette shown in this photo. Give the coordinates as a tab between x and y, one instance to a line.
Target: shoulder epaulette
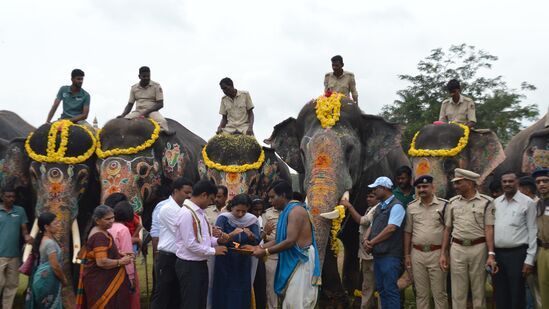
454	198
486	197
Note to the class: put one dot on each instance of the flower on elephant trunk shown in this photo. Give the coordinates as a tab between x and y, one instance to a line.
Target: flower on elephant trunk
462	143
336	227
328	108
130	150
60	127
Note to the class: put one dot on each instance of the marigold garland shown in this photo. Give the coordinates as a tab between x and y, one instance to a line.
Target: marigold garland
328	108
413	152
131	150
58	156
336	227
233	168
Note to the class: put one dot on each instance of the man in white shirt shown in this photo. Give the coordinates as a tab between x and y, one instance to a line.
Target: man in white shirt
194	243
166	222
515	231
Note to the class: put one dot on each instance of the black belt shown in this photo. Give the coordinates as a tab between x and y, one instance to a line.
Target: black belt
521	247
192	262
166	253
544	245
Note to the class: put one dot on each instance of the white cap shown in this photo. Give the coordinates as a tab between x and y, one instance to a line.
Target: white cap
383	182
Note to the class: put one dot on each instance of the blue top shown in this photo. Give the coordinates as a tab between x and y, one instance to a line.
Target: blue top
397	212
290	258
73	105
10	229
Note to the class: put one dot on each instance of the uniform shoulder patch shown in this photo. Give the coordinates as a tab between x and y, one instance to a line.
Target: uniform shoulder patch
454	198
486	197
443	200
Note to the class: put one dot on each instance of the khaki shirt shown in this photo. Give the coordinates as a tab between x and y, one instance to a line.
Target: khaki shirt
212	213
468	217
426	224
344	84
236	111
461	112
365	222
543	222
145	97
270	215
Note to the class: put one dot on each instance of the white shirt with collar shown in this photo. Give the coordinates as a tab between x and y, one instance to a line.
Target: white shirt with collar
515	224
167	224
189	247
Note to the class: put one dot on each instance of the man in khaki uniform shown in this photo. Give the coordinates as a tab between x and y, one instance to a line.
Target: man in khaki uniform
339	80
458	108
270	220
423	234
542	219
236	110
148	98
469	218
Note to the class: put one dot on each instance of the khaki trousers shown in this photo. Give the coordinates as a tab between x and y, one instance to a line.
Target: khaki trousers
543	276
156	116
368	283
270	269
429	278
467	267
9	279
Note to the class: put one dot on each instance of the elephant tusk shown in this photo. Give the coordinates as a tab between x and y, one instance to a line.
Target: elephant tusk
334	214
75	242
28	247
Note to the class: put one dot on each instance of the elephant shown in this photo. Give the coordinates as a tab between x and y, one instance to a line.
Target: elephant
345	156
65	188
482	154
145	173
528	150
237	149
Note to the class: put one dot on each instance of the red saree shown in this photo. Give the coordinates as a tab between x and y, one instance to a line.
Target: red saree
100	288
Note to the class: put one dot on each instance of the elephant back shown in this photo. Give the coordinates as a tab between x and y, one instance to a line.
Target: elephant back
233	149
61	142
130	135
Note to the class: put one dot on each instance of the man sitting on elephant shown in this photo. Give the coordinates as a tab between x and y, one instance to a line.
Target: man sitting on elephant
76	101
236	110
149	99
458	108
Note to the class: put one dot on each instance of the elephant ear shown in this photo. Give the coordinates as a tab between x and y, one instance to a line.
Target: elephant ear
485	153
285	141
378	138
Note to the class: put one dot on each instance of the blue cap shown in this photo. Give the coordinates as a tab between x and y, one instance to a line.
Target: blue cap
423	179
382	182
540	173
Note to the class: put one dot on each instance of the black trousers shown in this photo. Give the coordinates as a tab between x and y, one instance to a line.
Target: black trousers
193	283
167	284
508	282
260	286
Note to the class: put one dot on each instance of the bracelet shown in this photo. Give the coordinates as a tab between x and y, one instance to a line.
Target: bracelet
118	263
491	253
267	252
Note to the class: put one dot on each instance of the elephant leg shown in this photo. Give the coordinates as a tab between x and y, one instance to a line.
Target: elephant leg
332	294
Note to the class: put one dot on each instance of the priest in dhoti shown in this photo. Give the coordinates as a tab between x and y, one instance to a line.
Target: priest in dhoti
297	276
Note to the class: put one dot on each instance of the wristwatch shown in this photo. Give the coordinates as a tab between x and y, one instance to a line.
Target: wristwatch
492	253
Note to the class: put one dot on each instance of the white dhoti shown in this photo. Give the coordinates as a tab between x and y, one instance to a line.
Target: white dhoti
270	269
300	292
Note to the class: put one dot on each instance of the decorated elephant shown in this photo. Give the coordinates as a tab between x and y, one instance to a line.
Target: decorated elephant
528	150
238	162
62	158
437	149
134	158
336	148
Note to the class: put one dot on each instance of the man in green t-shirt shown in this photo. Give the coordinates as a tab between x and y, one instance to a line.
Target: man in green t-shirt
13	224
404	191
76	101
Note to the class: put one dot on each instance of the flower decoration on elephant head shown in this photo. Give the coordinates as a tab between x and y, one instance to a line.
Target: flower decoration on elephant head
328	108
462	143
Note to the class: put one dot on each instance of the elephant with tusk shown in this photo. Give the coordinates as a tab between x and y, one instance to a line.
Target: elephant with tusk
333	159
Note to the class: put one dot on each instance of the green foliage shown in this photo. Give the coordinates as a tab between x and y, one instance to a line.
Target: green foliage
498	107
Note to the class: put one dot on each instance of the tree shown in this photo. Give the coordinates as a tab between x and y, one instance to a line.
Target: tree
498	107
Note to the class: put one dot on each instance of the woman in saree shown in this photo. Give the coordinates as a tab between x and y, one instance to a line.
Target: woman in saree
123	212
232	285
48	277
103	280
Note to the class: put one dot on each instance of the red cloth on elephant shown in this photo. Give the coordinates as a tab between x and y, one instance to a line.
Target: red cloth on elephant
99	287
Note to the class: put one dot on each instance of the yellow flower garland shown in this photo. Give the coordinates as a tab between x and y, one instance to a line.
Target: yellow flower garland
413	152
336	227
58	156
328	109
233	168
131	150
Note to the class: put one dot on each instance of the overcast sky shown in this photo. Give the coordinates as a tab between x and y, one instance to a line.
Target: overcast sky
277	50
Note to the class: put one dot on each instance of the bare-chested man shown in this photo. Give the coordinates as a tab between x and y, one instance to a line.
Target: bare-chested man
298	273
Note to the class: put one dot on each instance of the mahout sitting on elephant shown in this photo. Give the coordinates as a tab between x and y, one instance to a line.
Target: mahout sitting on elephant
438	149
335	148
